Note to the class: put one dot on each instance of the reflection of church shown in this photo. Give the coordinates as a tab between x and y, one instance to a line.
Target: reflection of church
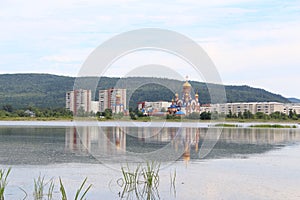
187	104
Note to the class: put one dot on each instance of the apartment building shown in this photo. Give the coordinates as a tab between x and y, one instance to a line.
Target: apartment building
78	100
253	107
155	106
112	98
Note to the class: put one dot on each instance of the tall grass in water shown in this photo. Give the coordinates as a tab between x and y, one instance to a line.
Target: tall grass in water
3	181
151	174
39	187
77	197
140	183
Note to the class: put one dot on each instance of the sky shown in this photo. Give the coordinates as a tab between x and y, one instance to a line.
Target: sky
251	42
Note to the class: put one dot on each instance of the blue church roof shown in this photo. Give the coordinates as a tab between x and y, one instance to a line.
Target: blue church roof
180	113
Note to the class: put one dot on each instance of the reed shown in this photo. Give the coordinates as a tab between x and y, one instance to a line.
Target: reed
3	181
130	177
151	174
50	190
39	185
140	183
78	192
173	178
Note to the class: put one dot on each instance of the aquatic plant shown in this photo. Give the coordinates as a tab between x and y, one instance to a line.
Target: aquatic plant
39	186
3	181
50	190
128	176
150	174
272	126
173	178
141	183
64	194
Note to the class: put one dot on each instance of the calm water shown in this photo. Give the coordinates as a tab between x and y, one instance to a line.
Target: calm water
245	163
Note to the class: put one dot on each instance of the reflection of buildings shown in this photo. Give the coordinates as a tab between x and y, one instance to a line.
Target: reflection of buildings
94	139
78	101
112	141
186	104
114	99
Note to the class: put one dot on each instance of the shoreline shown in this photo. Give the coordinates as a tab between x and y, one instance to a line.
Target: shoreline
184	124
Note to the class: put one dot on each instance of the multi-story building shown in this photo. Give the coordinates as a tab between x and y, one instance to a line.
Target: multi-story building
153	107
114	99
253	107
77	100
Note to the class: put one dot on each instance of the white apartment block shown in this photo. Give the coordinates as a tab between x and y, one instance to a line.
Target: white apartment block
291	107
155	106
78	99
95	106
253	107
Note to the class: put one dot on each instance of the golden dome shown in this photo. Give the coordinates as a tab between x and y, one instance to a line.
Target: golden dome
118	96
196	95
186	84
176	95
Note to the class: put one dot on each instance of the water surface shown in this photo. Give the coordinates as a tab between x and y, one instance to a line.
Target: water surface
245	163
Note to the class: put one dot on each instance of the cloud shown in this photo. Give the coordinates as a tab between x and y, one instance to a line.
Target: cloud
241	36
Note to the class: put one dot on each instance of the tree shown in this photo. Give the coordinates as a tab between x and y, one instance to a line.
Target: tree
108	113
229	114
132	115
240	115
194	115
261	115
248	115
205	116
80	112
7	108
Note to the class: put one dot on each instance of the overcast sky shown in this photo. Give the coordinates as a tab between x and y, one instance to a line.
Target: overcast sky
251	42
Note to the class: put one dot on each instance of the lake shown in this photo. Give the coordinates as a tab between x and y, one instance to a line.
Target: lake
237	163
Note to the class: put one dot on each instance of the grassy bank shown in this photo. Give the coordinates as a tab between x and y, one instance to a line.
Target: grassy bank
272	126
36	118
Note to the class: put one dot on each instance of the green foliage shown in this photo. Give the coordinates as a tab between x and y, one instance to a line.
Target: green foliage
132	115
205	116
193	115
272	126
226	125
48	91
3	181
173	117
108	113
141	182
39	112
261	115
119	115
39	186
78	192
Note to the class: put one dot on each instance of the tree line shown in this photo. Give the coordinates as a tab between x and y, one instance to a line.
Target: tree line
246	115
7	111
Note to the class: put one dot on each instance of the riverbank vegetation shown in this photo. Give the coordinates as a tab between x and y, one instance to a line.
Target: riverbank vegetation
32	113
40	185
7	112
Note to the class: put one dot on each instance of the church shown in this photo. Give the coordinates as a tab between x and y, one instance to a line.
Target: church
186	104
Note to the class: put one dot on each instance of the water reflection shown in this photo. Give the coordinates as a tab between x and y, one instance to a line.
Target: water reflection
45	145
118	142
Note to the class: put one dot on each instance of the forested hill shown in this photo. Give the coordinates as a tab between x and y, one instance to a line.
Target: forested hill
48	91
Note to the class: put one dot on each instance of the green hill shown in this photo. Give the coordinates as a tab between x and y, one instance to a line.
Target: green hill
48	91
